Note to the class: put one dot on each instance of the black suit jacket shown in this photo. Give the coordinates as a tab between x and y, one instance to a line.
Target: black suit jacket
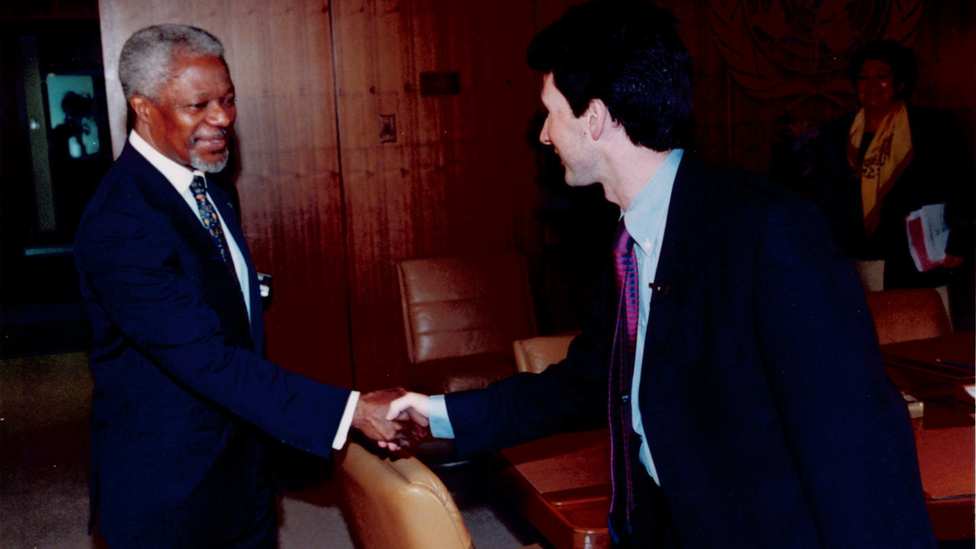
766	406
185	410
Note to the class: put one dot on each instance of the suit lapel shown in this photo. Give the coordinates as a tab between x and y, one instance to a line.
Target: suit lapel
680	253
160	194
223	204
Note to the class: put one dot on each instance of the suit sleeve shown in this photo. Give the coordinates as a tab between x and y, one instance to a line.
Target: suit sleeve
567	396
158	308
846	424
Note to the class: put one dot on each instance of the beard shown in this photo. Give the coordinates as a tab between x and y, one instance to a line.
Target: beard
212	166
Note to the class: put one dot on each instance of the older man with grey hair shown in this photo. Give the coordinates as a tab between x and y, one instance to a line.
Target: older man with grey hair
185	412
146	67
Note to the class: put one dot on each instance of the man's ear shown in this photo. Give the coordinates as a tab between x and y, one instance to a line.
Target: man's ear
597	117
142	107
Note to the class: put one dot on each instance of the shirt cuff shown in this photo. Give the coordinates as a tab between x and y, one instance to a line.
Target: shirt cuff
343	432
440	423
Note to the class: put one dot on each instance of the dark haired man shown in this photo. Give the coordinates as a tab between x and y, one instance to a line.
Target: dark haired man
186	412
747	399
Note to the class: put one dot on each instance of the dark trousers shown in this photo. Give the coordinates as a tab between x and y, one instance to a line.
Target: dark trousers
651	526
260	531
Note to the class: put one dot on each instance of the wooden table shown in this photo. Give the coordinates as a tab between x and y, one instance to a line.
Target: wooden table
926	368
561	484
945	434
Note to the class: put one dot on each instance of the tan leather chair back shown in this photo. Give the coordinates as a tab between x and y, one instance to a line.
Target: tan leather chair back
871	273
461	306
904	315
536	354
397	504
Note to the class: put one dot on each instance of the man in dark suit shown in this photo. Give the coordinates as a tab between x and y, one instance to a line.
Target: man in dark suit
185	411
757	412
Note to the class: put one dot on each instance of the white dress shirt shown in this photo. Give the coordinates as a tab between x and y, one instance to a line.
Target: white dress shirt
181	178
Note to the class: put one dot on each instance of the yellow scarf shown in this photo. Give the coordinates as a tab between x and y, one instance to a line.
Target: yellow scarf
887	156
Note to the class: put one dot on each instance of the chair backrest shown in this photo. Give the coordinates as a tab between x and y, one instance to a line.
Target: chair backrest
397	504
871	272
461	306
536	354
904	315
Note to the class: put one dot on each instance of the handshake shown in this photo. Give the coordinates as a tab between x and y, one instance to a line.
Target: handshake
394	418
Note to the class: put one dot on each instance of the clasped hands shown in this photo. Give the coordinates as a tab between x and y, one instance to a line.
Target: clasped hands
394	418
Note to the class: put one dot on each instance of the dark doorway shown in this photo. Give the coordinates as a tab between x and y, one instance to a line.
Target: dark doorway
55	149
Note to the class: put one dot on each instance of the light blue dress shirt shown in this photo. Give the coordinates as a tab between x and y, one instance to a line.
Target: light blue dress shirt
645	219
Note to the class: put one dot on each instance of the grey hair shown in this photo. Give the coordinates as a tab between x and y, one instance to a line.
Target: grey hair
145	64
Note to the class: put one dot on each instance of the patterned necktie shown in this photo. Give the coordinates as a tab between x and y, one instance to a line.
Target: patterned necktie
208	215
621	378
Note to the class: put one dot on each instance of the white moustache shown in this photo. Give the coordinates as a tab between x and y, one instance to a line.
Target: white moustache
219	135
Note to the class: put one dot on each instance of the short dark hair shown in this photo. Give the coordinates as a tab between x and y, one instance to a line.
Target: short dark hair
628	54
891	53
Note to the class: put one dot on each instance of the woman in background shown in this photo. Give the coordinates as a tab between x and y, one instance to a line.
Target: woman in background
888	159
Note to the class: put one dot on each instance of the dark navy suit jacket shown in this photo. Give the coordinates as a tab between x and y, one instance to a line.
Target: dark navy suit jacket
765	402
185	410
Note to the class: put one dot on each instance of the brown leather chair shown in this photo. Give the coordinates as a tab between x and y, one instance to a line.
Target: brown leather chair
536	354
397	504
460	315
904	315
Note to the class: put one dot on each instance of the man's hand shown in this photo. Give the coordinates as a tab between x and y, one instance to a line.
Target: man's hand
412	403
391	431
414	407
952	261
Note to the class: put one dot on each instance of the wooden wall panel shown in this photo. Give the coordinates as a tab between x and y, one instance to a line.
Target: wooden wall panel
459	179
462	175
947	72
736	128
280	57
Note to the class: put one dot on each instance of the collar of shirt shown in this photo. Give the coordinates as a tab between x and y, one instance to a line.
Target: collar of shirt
646	220
648	212
179	176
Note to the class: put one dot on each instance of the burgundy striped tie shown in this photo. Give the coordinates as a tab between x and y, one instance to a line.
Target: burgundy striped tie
621	377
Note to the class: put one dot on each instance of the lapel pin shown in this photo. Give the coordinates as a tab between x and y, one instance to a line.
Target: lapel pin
661	288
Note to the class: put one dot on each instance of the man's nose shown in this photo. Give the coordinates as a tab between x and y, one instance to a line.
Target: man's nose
221	115
544	134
